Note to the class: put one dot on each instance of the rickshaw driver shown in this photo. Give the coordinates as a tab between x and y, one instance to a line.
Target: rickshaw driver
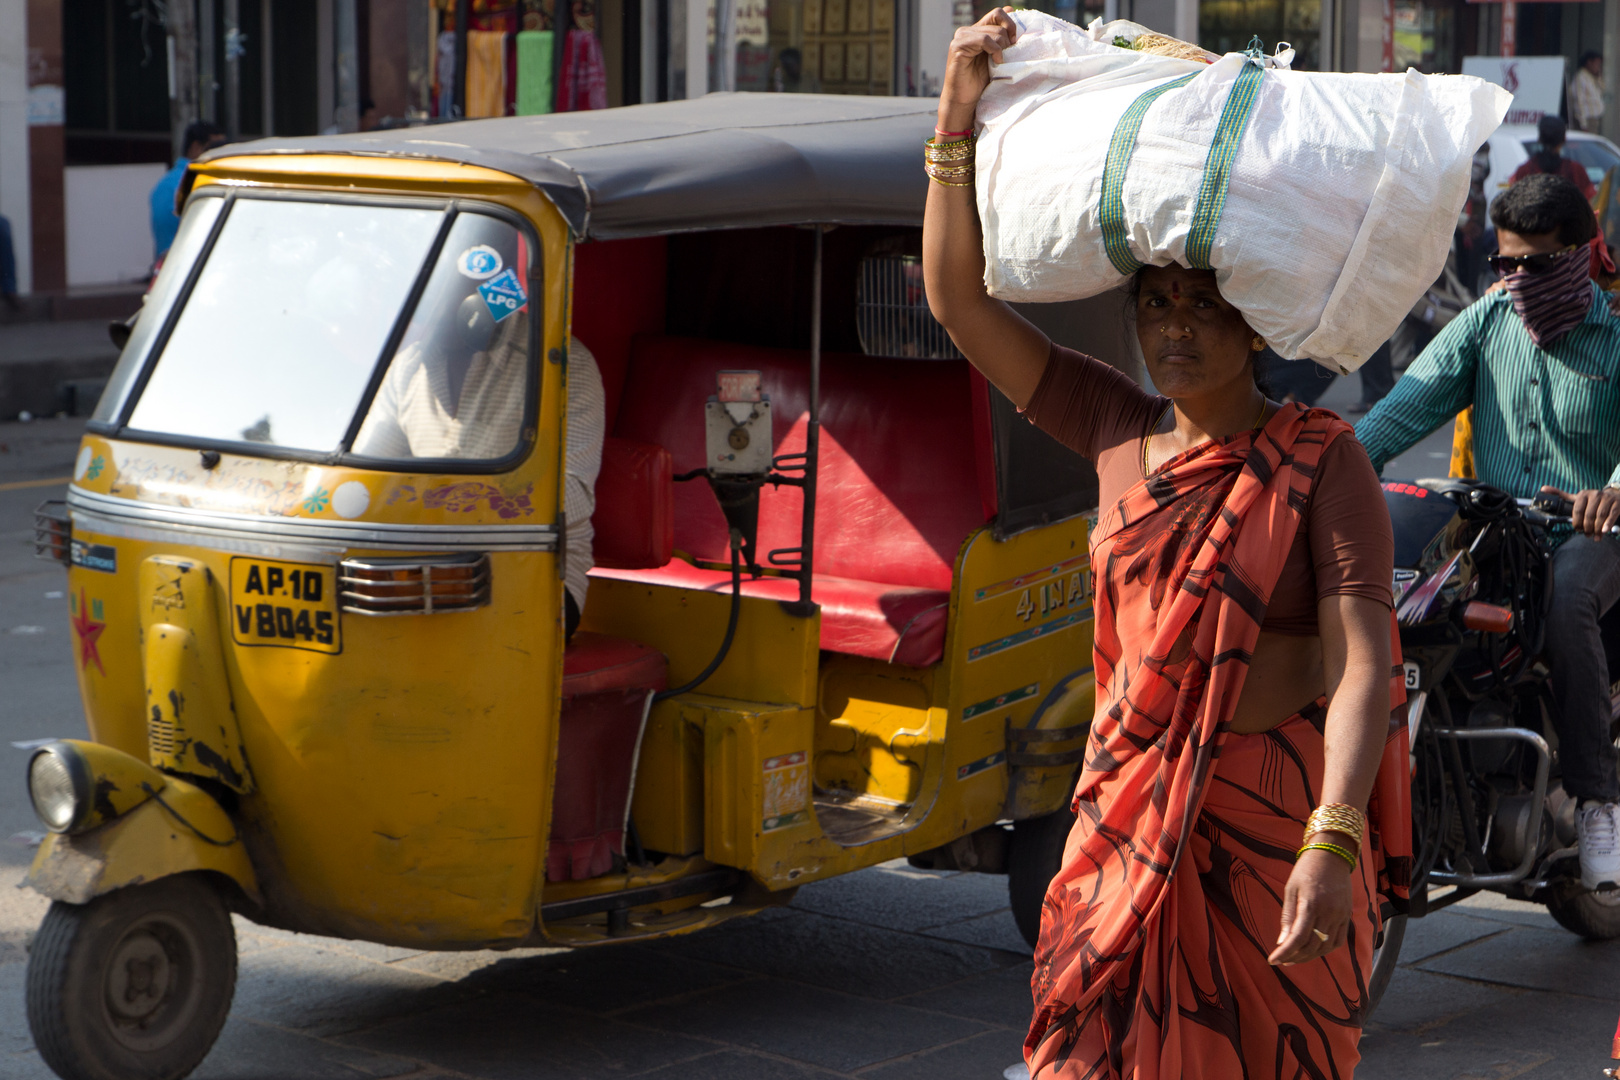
457	392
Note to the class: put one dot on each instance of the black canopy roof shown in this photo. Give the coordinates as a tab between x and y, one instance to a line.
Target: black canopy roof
716	162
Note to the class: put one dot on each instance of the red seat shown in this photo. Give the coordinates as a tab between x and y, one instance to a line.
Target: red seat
898	490
607	685
635	506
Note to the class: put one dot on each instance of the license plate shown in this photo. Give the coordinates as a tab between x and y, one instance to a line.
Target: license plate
290	605
1414	674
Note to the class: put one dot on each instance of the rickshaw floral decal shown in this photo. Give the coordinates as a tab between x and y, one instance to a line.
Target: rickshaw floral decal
316	502
468	496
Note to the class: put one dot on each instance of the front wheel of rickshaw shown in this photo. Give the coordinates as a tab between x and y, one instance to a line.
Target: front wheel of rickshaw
1033	858
134	985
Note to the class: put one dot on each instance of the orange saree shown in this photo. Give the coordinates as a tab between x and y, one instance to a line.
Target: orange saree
1154	935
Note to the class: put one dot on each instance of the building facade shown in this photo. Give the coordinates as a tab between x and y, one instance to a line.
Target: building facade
85	117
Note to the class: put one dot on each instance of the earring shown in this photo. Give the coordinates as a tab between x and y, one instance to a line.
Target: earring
1258	343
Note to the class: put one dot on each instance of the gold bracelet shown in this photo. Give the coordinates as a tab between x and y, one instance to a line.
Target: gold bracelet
1336	817
940	153
942	172
1344	853
949	183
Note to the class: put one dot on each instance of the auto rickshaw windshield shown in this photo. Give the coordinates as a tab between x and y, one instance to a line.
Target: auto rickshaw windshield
293	305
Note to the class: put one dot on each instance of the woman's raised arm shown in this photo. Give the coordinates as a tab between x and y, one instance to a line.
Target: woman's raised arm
1002	344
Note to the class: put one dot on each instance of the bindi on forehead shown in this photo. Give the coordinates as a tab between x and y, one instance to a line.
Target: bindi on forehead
1175	290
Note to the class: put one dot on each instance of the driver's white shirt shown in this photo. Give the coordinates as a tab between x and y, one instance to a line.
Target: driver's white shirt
409	419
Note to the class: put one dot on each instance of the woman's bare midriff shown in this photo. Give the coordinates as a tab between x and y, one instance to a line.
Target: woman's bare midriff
1285	676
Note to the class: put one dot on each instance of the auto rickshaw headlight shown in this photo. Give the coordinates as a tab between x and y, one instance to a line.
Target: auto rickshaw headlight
59	784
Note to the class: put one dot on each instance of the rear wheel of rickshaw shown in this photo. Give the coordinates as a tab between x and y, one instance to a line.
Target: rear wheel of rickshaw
1386	954
134	985
1033	858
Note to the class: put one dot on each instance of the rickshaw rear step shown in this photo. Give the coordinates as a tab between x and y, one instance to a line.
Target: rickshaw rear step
720	882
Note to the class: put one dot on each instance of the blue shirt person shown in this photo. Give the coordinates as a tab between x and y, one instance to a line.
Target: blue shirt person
1540	364
200	136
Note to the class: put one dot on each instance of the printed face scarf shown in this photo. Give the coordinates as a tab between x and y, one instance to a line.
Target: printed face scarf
1556	300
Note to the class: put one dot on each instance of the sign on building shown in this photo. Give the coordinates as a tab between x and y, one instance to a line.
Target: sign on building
1536	83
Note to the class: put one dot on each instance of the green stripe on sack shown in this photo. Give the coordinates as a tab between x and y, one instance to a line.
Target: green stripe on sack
1111	212
1218	166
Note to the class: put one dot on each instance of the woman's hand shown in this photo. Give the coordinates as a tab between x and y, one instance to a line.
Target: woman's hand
967	67
1317	898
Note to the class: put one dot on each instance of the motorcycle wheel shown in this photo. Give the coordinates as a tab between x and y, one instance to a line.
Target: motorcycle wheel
1593	915
1033	858
134	985
1385	957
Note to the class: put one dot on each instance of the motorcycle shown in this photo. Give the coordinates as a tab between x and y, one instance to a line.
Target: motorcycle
1473	593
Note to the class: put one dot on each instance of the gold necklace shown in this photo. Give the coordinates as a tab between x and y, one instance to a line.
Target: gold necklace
1154	430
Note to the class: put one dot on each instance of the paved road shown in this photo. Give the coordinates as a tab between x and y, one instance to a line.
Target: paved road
890	973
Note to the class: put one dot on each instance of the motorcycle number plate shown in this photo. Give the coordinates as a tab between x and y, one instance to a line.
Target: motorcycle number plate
291	605
1414	674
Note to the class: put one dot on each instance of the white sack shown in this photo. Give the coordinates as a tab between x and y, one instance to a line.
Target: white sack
1344	190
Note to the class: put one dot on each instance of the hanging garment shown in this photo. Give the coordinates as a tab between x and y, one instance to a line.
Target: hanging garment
486	73
536	90
584	73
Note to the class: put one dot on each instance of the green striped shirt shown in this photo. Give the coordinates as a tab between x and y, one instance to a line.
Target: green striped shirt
1541	416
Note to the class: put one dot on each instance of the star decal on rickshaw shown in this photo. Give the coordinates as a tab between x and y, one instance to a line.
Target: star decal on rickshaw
87	630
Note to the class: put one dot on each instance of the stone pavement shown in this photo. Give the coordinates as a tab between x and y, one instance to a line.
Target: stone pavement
889	973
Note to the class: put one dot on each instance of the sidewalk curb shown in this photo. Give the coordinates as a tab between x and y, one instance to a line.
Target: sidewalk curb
47	387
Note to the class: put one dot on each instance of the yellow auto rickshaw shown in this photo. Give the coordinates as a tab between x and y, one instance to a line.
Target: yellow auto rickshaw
840	611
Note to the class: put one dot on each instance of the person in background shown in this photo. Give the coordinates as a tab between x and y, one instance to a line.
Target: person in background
1586	93
200	137
8	266
1539	361
1550	159
1377	378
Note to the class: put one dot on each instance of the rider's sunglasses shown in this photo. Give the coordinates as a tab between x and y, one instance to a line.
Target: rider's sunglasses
1535	264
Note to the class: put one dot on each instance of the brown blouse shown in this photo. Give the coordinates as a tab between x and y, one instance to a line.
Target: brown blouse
1344	544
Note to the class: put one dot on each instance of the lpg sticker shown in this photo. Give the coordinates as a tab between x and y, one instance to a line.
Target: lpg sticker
787	791
503	295
479	263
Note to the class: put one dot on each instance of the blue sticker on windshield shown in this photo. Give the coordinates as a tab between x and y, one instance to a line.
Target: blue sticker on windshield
480	262
503	294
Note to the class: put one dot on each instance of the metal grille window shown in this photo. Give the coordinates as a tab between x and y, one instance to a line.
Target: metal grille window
891	311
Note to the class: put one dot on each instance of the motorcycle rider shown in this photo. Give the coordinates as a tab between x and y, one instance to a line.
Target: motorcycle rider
1540	363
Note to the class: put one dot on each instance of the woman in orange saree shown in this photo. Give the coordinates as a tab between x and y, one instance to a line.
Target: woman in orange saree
1199	927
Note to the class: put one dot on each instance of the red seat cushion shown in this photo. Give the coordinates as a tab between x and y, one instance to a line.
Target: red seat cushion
607	682
898	489
897	623
635	506
594	663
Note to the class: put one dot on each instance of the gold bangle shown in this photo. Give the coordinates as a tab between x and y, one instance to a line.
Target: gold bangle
951	151
950	176
1338	818
1344	853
